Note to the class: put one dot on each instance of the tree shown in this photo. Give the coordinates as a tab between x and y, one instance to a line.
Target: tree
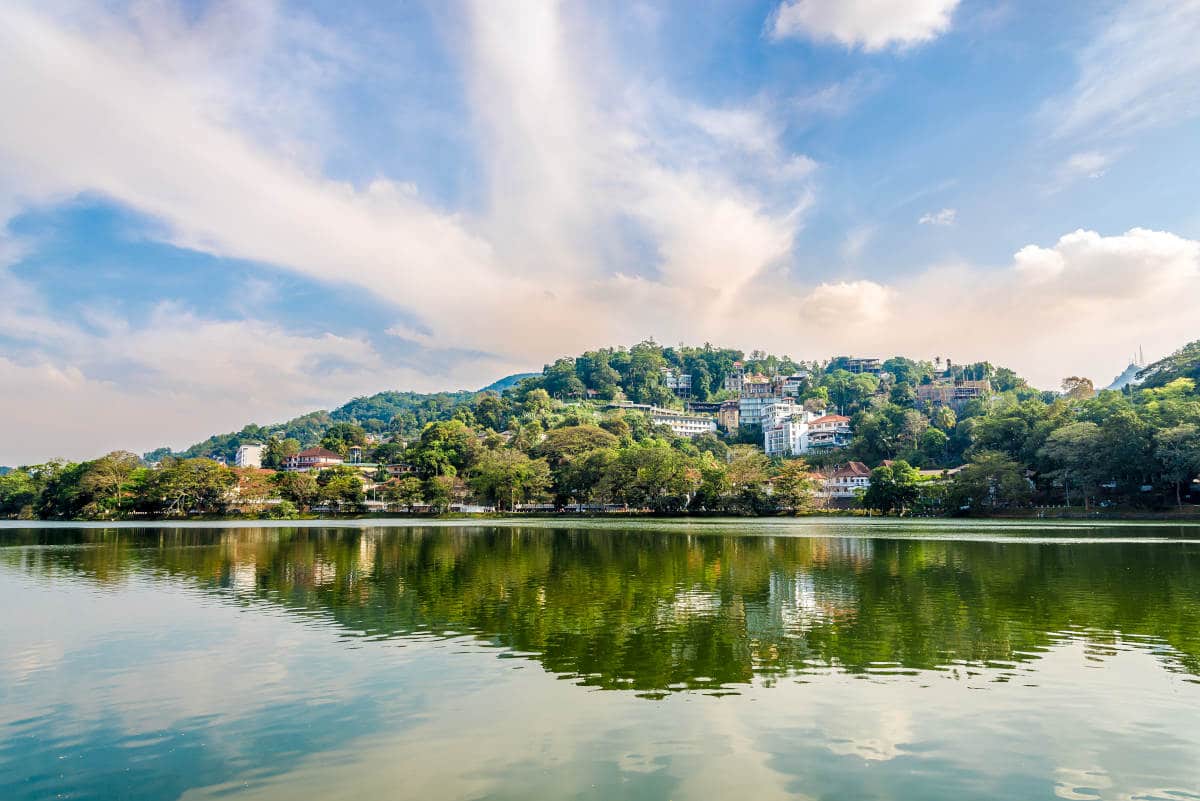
992	481
795	485
746	475
406	492
650	474
1072	451
19	490
933	445
491	411
509	477
560	380
342	436
185	486
1177	452
1078	388
341	486
278	450
562	444
892	488
444	448
300	488
440	492
106	477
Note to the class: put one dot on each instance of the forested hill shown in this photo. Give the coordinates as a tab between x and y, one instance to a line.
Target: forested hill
639	374
399	413
633	373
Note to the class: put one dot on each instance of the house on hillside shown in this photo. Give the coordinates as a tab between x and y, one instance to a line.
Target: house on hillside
872	366
844	482
829	432
954	394
312	459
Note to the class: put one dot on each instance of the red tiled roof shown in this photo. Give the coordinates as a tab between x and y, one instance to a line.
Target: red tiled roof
830	418
323	453
852	469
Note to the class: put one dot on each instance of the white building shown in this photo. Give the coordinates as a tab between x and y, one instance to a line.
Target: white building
829	431
679	383
789	435
763	410
249	455
794	384
681	424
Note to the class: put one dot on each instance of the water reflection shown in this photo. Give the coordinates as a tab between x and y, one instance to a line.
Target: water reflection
658	612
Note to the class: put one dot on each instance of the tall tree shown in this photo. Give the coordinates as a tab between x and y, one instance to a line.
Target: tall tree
1177	451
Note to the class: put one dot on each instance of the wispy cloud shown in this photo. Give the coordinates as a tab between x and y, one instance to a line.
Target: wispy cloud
942	217
1141	70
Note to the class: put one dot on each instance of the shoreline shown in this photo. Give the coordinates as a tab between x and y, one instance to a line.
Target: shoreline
1189	518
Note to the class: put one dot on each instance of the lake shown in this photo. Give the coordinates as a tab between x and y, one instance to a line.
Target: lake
676	660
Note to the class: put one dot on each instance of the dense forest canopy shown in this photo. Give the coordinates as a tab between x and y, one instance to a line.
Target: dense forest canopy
556	437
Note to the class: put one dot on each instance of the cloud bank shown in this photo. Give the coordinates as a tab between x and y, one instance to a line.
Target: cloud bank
612	209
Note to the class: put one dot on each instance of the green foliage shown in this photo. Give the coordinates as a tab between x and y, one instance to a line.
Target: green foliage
893	488
340	487
993	481
508	477
444	449
340	437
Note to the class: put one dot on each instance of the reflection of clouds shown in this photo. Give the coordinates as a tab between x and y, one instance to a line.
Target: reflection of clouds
23	662
1081	784
868	733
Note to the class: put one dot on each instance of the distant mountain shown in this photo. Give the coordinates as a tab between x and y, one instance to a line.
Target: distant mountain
508	381
1183	363
5	471
1129	376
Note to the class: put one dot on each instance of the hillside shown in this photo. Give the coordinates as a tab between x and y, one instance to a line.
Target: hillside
1183	363
392	412
636	373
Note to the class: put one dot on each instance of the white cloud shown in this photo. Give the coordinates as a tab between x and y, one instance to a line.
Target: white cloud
1141	70
1089	164
943	217
869	24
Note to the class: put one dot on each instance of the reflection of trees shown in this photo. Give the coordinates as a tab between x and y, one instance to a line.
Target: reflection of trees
649	610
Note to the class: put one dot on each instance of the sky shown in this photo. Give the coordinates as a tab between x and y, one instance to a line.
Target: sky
215	213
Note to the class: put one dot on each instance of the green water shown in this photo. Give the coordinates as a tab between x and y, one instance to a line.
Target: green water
677	661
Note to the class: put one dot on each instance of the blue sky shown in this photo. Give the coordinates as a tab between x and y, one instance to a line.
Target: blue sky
213	213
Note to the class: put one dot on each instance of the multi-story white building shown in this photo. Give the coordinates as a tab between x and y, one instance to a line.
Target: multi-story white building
789	435
681	424
249	455
828	432
750	409
795	383
764	410
679	383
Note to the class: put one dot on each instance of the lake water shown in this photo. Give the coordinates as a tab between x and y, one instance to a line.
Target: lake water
689	660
